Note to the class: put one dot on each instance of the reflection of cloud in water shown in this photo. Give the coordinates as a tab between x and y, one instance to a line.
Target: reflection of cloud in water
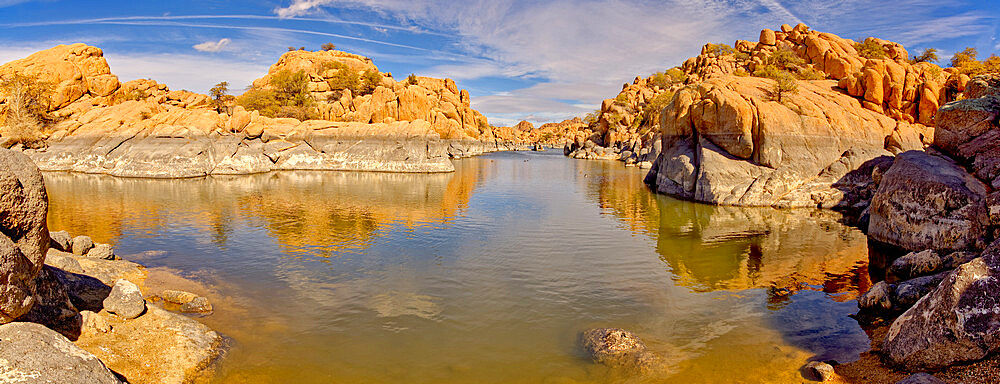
396	304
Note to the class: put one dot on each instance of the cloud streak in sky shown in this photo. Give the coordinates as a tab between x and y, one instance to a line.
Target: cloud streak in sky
213	46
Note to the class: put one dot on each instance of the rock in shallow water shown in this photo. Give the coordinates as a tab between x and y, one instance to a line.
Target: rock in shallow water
617	347
31	353
198	305
125	300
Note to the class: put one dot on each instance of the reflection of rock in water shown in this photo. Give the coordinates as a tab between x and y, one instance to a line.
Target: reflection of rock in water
295	206
738	247
396	304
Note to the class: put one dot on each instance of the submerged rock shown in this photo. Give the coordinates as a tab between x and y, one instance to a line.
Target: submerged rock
197	305
617	347
31	353
125	300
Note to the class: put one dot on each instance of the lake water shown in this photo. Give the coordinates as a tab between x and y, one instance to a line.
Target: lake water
484	275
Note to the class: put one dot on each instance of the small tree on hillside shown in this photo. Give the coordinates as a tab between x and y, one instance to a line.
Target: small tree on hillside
930	55
784	83
220	96
290	49
328	46
412	79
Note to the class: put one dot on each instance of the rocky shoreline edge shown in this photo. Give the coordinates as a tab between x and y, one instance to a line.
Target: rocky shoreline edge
74	311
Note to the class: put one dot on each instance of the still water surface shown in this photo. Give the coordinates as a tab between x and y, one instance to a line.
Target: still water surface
484	275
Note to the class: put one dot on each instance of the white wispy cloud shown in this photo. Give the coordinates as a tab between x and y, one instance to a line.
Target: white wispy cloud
300	7
213	46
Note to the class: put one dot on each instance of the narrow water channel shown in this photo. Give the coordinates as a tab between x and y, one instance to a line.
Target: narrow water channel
484	275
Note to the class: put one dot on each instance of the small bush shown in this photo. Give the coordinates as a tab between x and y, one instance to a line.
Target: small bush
621	99
262	100
720	49
785	59
809	73
412	79
328	46
27	103
871	49
592	117
769	71
742	56
741	72
369	81
134	94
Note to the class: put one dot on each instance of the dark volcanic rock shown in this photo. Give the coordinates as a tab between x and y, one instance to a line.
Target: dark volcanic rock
31	353
24	236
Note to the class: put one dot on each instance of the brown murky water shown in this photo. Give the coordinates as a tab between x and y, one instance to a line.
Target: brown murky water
485	275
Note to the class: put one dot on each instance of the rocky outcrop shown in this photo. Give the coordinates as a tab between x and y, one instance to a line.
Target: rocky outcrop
31	353
24	236
141	128
728	141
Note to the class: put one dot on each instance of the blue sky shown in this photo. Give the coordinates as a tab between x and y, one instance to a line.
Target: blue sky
541	61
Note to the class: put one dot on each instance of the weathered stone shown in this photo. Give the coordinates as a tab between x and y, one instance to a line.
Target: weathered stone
928	202
818	371
82	245
63	260
617	347
958	322
767	37
878	298
908	292
102	251
24	236
177	297
61	240
916	264
125	300
94	322
31	353
197	305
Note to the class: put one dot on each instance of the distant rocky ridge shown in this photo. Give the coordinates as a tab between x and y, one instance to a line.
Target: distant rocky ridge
141	128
